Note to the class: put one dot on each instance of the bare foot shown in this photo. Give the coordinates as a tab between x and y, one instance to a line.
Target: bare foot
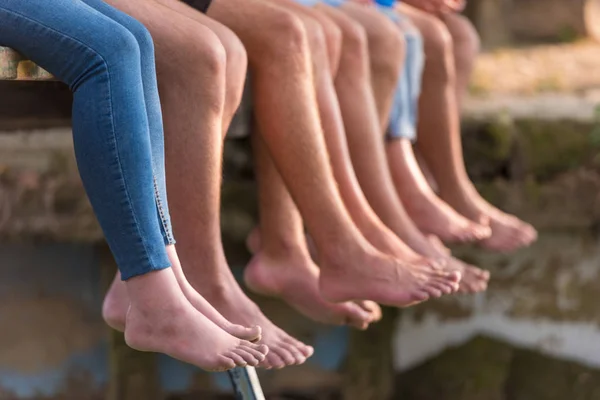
371	275
372	308
430	213
160	319
474	280
253	243
229	299
433	216
295	279
116	303
247	332
508	232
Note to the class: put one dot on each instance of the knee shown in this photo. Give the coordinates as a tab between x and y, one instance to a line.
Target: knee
237	62
205	54
196	67
123	48
317	41
237	59
142	36
333	40
355	43
438	41
387	48
285	38
466	40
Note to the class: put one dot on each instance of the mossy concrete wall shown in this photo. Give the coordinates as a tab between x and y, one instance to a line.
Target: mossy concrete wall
502	22
543	299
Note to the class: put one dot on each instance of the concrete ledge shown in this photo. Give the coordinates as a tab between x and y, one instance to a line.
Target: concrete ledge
14	66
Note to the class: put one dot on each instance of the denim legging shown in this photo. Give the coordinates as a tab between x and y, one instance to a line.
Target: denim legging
107	59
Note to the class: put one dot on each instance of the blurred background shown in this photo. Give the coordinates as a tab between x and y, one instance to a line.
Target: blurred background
532	142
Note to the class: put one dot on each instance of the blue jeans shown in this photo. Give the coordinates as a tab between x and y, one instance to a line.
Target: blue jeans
107	59
405	106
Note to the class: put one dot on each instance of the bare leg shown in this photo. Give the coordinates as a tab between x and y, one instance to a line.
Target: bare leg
279	56
153	14
161	316
440	141
408	179
283	266
466	46
368	152
386	55
333	126
194	186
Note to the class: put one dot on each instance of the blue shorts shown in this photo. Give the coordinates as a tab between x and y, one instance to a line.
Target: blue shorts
405	106
312	3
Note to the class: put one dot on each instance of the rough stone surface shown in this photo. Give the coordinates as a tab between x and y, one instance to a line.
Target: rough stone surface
13	66
555	280
488	369
369	366
505	21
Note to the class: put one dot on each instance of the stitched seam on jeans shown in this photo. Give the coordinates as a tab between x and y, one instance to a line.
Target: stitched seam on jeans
161	212
89	48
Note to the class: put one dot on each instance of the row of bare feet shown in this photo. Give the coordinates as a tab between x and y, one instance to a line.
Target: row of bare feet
215	326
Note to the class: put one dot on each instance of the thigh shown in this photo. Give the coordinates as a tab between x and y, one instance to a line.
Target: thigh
429	25
63	38
343	21
253	21
179	40
462	30
225	35
374	22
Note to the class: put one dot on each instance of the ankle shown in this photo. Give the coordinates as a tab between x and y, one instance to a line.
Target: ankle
339	255
285	247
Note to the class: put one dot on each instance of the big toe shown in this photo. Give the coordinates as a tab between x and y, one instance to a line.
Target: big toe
480	232
273	360
528	233
355	315
372	308
306	350
252	334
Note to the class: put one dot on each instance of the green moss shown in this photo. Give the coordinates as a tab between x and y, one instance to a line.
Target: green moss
549	148
526	147
535	376
488	145
368	370
549	84
487	369
474	371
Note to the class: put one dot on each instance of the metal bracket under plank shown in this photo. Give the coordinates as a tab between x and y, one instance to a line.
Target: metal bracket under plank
246	384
